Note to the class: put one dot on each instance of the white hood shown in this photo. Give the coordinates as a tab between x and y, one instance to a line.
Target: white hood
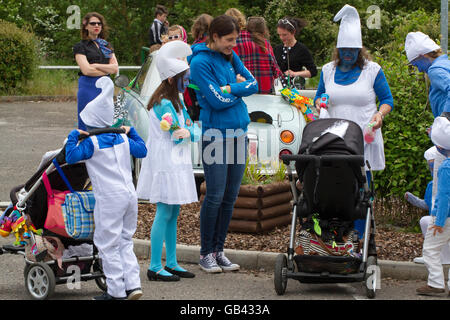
440	132
349	35
99	113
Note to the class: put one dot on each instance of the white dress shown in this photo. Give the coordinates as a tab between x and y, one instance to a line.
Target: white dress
357	102
166	173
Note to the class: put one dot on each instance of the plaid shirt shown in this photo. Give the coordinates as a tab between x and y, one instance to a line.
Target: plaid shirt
262	65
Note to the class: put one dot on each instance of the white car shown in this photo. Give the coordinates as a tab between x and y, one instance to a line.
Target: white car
275	128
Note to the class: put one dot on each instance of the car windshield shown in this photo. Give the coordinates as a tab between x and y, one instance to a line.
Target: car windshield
139	83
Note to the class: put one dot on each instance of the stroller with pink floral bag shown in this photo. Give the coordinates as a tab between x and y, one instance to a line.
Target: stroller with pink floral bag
50	258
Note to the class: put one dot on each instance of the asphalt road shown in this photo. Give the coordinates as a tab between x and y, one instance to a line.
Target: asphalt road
29	129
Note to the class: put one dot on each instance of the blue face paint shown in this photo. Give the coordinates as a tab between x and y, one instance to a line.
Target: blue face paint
421	63
348	56
183	83
443	151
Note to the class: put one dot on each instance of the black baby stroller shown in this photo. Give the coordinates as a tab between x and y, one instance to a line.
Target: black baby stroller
330	167
29	201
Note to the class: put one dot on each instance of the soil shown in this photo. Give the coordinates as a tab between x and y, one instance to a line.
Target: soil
391	244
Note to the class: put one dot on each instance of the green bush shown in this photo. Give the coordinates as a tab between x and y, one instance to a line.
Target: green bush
17	55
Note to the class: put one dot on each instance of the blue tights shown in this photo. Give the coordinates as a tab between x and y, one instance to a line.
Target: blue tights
164	229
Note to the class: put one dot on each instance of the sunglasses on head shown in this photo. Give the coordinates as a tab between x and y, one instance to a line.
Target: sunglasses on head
95	23
285	21
174	37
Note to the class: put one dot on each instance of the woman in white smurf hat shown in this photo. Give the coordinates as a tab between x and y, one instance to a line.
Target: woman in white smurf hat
353	84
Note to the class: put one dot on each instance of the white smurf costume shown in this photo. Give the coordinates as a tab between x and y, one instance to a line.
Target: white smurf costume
356	101
166	176
115	215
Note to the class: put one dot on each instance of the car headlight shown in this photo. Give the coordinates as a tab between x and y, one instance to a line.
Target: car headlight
287	136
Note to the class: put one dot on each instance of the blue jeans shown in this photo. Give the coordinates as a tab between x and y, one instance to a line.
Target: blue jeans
224	165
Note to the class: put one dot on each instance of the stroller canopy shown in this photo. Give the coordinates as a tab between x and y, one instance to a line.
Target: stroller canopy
332	136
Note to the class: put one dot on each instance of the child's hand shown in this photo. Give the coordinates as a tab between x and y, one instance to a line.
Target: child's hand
181	133
437	228
126	128
82	132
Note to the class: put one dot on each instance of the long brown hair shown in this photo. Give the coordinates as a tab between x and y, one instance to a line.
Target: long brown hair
363	57
223	25
257	27
167	91
201	25
105	29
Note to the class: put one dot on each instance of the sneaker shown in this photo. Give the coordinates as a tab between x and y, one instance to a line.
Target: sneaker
209	264
429	291
224	263
134	294
418	260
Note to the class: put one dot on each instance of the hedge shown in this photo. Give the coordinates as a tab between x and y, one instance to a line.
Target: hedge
17	55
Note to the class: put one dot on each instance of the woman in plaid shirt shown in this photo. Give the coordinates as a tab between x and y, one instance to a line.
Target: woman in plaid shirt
257	55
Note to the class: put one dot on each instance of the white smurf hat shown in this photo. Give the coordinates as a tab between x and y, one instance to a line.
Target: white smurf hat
349	35
418	43
170	59
440	132
99	113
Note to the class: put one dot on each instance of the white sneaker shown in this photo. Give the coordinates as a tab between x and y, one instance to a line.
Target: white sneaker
418	260
224	263
209	264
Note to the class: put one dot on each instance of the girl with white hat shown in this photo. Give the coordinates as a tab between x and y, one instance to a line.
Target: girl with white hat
166	177
353	83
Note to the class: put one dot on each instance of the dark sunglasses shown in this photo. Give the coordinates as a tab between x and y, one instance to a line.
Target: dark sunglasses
95	23
174	37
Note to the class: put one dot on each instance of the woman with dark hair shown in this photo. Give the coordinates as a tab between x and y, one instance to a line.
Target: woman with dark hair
222	80
95	57
257	54
292	56
353	84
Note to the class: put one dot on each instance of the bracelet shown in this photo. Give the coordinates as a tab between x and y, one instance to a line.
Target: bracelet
381	114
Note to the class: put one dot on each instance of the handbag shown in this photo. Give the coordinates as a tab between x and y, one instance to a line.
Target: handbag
54	221
78	210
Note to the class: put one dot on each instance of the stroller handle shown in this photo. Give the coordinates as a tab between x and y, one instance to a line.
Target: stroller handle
287	158
95	132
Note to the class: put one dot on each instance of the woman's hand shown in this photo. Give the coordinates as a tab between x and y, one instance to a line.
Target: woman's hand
181	133
290	73
240	78
83	132
377	119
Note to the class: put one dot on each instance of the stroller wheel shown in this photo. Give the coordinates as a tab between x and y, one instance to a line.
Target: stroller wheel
100	282
40	280
280	275
372	277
